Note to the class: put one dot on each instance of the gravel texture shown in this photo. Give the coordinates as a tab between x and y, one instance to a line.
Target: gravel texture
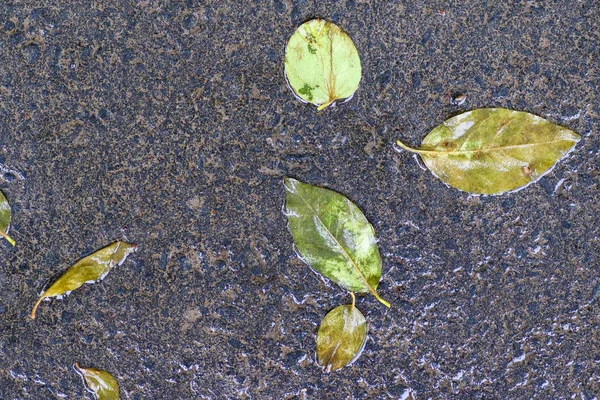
169	124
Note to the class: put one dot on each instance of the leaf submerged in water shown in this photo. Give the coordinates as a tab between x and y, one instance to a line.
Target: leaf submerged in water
341	337
333	237
5	216
101	383
88	270
494	150
321	63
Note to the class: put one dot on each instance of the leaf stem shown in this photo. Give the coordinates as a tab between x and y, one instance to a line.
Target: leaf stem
473	151
412	150
325	105
36	306
353	299
5	236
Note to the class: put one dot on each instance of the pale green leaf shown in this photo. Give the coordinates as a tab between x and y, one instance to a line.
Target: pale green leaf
5	216
88	270
321	63
333	237
341	337
101	383
494	150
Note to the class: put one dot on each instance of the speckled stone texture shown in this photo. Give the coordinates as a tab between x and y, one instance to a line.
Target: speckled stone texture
169	124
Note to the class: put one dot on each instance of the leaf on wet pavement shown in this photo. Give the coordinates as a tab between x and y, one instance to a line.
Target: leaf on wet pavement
88	270
101	383
341	337
333	237
494	150
321	63
5	216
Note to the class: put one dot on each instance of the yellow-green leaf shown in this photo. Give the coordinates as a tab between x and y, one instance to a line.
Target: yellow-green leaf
494	150
88	270
321	63
341	337
5	218
333	237
101	383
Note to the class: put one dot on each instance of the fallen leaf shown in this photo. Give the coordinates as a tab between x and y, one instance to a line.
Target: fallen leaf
88	270
5	218
321	63
333	237
494	150
341	337
101	383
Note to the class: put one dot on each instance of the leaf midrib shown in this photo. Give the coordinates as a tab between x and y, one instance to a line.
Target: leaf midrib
357	270
487	150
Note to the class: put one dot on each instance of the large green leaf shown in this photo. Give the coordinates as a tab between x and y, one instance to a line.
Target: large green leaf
88	270
494	150
101	383
5	218
321	63
341	337
333	237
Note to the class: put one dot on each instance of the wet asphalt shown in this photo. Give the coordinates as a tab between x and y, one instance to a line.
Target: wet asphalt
169	125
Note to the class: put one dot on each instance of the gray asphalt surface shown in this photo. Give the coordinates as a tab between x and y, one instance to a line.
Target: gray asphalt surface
169	124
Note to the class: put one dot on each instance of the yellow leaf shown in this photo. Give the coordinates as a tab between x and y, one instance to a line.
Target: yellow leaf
88	270
321	63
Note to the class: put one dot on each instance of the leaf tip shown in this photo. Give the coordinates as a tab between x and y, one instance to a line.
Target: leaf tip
132	246
382	301
290	184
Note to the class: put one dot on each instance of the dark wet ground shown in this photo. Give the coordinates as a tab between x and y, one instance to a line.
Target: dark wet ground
169	124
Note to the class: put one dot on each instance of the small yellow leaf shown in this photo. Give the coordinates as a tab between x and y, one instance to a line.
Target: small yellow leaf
321	63
101	383
88	270
5	216
341	337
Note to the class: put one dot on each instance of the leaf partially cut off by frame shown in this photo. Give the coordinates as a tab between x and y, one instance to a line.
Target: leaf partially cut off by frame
321	63
341	337
333	237
494	150
5	216
101	383
88	270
